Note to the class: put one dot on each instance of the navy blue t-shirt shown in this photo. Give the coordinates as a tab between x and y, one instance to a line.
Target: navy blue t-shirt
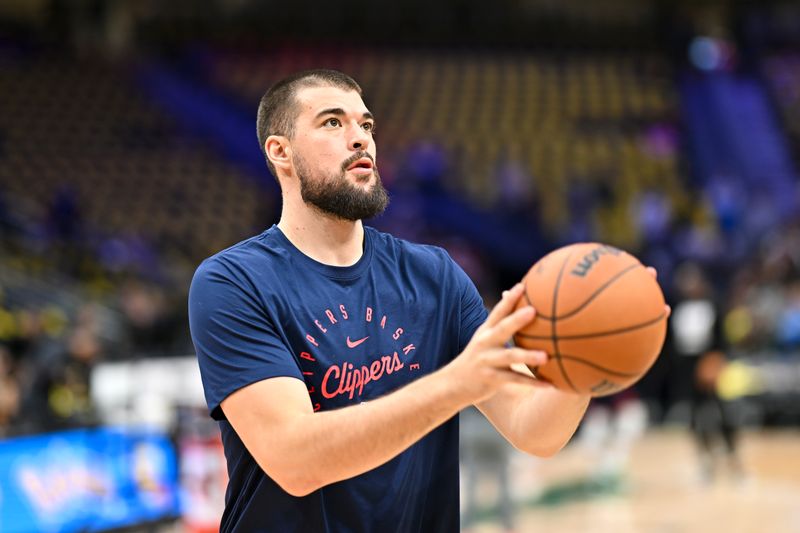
262	309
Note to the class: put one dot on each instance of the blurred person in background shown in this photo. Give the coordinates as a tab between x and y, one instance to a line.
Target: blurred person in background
9	392
32	338
69	391
697	342
57	391
335	357
150	327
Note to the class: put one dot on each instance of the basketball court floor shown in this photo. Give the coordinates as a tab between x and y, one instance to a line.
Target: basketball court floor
659	489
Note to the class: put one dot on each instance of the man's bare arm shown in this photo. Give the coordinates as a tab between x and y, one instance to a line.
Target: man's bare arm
539	422
303	451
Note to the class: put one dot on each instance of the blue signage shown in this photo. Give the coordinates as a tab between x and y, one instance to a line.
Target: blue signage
86	480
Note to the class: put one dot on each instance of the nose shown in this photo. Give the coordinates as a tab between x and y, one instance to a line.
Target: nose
359	139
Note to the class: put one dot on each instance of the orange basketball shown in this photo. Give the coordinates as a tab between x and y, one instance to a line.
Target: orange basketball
599	314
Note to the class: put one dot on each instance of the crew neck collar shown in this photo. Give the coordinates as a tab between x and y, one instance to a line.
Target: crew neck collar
335	272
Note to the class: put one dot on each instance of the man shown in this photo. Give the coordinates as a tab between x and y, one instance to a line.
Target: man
335	357
698	345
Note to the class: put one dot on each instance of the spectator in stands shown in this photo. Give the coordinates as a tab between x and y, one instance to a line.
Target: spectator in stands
149	318
68	390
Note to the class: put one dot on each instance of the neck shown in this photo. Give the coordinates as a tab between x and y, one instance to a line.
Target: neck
324	238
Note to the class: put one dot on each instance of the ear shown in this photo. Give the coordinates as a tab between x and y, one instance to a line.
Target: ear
279	152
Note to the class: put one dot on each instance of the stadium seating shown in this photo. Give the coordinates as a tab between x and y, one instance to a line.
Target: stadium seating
81	133
563	119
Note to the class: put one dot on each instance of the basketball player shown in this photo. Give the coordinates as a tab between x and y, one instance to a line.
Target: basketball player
335	357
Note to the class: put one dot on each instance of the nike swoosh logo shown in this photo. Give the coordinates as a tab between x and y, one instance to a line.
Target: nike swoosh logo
353	344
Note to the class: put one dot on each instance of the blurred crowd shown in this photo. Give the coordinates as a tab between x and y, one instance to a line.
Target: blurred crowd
763	300
64	307
47	353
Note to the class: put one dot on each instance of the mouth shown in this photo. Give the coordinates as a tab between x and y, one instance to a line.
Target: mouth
364	164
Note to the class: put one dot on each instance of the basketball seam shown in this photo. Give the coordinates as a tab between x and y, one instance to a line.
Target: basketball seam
598	333
577	359
554	335
591	297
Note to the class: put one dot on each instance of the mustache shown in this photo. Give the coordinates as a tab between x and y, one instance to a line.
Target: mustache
355	157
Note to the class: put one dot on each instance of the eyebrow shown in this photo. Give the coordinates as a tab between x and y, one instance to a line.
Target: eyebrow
338	111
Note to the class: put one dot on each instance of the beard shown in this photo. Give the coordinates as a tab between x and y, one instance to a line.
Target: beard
334	195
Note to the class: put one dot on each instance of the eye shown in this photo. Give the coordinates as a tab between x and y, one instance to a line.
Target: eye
369	126
333	122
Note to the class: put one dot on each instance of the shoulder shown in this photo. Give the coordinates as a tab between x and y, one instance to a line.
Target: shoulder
416	262
257	253
429	254
251	271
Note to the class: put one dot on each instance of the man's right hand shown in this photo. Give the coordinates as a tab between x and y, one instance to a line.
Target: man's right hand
485	364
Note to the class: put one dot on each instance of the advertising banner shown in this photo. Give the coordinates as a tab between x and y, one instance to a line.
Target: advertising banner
86	480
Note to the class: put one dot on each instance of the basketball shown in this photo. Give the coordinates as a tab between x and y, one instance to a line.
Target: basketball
599	314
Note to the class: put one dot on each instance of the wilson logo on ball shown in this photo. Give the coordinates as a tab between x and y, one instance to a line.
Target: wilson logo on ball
582	268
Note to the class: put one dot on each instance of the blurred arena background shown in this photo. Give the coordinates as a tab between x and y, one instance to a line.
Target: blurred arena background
669	128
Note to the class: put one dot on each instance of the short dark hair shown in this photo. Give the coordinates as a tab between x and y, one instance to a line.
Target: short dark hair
277	111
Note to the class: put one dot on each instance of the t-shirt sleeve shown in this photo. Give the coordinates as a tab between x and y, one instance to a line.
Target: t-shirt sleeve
473	310
236	341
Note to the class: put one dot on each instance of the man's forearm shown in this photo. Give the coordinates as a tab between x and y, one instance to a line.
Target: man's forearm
334	445
539	422
542	423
